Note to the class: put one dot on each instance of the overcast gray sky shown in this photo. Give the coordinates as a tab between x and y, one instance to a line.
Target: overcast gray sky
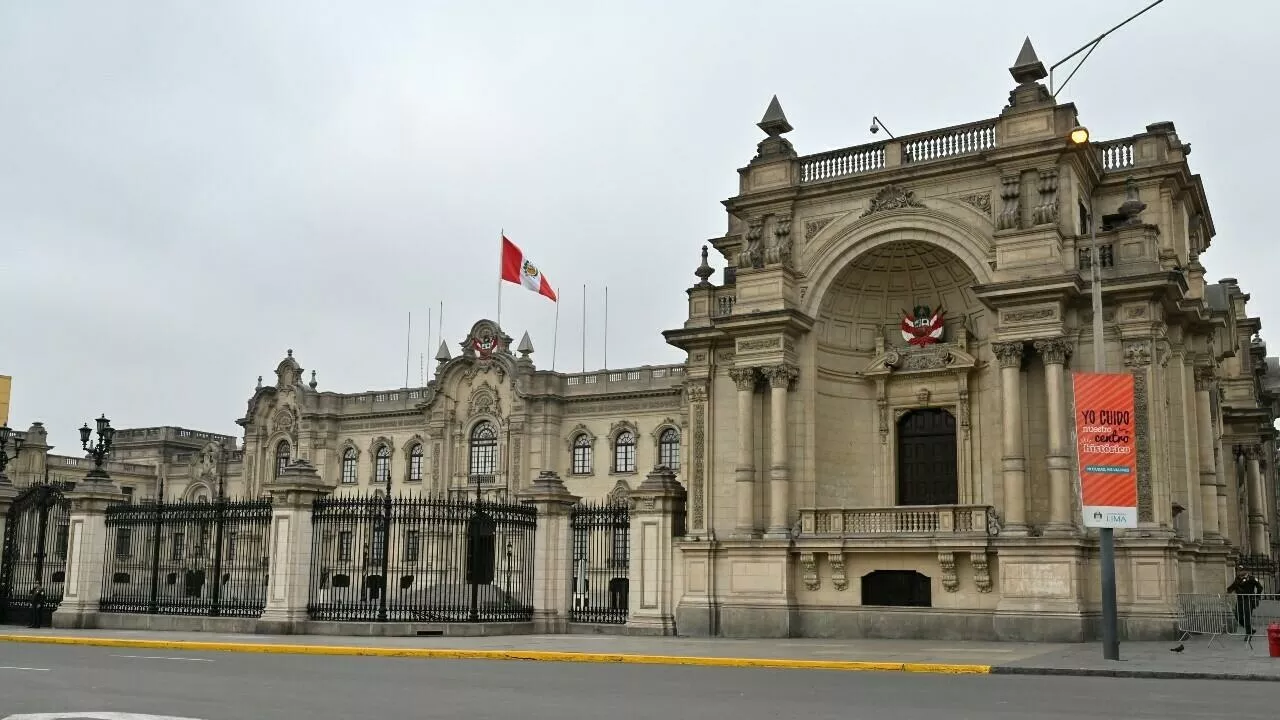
191	188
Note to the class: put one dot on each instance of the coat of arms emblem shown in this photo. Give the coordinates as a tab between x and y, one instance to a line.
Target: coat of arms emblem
484	345
922	327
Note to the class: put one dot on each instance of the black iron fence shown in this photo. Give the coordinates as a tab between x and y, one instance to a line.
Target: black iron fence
421	559
34	553
601	561
1265	568
187	558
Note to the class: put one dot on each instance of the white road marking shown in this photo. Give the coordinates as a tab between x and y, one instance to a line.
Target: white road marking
161	657
93	716
15	667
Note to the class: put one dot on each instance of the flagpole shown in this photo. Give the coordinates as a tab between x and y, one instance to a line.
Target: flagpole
440	330
502	235
408	348
584	327
555	336
606	327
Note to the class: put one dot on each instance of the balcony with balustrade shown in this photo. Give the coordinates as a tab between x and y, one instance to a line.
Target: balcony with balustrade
904	528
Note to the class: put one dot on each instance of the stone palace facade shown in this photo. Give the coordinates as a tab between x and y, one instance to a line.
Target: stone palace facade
873	424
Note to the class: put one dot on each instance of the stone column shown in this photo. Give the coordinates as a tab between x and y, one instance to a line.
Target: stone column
87	547
553	551
1055	352
745	472
781	378
290	547
1208	468
657	508
1258	544
1013	463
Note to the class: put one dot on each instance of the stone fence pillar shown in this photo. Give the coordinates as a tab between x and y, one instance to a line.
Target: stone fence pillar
657	517
87	547
553	551
7	493
293	494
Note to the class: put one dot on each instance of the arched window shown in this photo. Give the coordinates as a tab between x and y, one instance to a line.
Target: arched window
415	463
624	452
282	456
349	466
382	464
669	449
484	449
581	454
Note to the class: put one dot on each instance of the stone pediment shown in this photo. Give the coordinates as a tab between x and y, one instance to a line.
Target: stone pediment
932	359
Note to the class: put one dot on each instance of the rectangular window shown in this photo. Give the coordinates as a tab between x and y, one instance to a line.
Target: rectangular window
60	544
415	466
231	546
379	543
412	545
175	552
124	541
344	546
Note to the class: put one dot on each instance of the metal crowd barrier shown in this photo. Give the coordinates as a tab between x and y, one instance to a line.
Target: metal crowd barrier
1233	615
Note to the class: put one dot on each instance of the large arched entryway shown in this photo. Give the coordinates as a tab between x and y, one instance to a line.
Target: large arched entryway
927	458
893	416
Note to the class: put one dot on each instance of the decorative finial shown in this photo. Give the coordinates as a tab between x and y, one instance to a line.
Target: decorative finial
1028	68
259	383
313	382
526	346
704	270
442	355
289	352
774	122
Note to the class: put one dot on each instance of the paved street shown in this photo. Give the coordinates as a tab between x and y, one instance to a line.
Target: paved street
235	686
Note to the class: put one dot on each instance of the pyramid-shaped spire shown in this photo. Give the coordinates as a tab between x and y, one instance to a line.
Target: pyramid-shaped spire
774	121
442	355
1028	68
526	345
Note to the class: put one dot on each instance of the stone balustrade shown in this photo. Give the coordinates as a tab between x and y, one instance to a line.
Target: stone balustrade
921	521
909	149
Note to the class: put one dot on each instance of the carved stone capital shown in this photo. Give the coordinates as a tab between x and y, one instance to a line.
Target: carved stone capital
697	390
1054	351
1137	353
950	581
744	378
1205	377
839	580
782	375
1009	353
809	570
1251	452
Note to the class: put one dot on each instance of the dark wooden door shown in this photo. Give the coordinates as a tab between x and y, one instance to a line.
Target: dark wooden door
927	458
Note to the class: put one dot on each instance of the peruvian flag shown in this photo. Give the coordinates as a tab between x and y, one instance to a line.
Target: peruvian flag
517	269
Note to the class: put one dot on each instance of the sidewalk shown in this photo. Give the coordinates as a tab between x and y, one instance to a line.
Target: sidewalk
1228	659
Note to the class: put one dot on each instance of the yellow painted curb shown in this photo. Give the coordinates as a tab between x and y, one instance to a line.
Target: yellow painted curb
538	655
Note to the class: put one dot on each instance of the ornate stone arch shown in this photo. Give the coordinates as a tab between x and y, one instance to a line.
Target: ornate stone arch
620	426
484	401
620	493
577	431
857	235
419	442
195	489
375	445
668	422
348	446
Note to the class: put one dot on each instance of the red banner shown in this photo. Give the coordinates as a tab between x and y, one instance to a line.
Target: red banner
1106	449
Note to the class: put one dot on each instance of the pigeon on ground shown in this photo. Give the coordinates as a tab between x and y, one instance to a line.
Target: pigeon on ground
1180	648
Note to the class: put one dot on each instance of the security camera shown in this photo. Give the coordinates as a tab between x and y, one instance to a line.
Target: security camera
874	127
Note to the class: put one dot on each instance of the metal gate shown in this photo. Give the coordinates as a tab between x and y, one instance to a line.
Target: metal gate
35	552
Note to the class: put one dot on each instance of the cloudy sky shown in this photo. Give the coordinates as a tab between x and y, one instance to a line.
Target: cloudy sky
191	188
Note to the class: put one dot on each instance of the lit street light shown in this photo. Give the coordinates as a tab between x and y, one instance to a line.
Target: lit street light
1106	536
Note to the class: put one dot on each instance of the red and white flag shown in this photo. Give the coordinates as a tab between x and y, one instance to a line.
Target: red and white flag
517	269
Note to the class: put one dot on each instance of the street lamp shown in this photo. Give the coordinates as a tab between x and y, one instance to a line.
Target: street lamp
5	435
1106	536
98	450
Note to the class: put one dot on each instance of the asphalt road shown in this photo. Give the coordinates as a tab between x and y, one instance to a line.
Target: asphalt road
234	686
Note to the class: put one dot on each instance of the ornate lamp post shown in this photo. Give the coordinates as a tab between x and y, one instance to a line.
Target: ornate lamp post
5	435
98	450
